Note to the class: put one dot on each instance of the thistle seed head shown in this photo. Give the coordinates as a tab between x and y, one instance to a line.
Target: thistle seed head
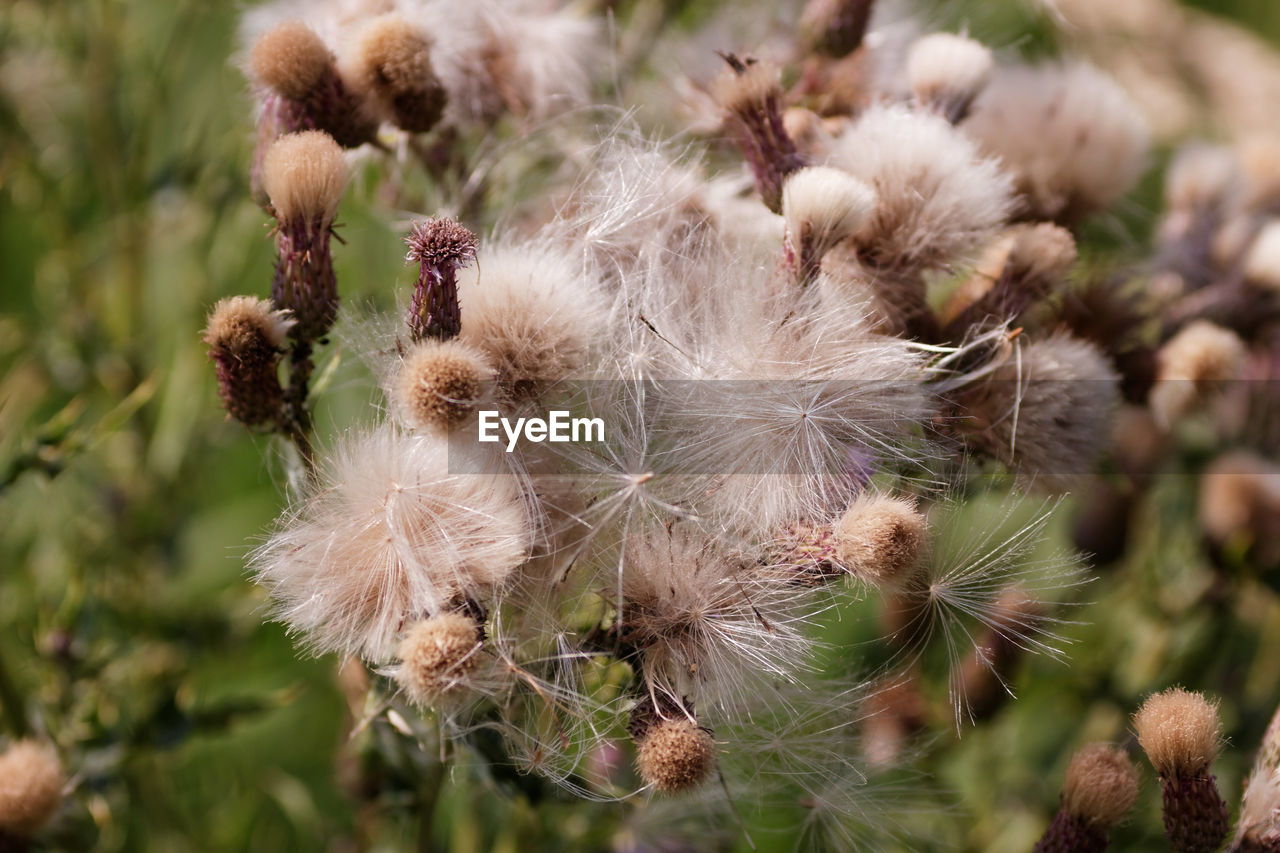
1189	364
835	27
304	175
1101	785
1180	732
947	72
245	335
31	785
440	384
291	60
394	64
1262	262
675	755
880	540
246	327
822	206
436	654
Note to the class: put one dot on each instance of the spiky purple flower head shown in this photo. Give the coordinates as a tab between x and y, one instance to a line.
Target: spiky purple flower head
440	247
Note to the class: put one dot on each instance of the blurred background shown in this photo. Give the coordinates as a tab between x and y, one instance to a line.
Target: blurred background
129	631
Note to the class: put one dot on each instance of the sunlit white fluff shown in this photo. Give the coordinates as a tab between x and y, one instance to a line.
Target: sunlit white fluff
522	56
535	310
704	623
391	534
939	198
1073	138
947	72
980	549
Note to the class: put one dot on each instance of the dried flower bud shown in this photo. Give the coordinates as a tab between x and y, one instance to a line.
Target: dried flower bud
834	27
822	206
751	94
31	785
245	337
304	175
440	247
673	754
291	59
880	540
440	383
1018	271
1240	505
1101	786
394	65
947	72
1190	364
1262	262
293	63
1180	732
437	654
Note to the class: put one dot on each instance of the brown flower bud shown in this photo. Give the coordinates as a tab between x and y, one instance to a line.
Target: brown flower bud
245	335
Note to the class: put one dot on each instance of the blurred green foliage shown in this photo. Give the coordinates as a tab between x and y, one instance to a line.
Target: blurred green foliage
128	630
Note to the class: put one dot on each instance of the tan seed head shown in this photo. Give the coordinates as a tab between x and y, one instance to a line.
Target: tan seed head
291	59
1180	731
675	755
1101	785
31	783
436	654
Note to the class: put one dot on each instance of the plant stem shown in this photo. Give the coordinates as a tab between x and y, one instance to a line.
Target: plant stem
428	795
11	698
297	419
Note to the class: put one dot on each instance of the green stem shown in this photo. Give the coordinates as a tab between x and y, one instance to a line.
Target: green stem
15	712
428	796
297	419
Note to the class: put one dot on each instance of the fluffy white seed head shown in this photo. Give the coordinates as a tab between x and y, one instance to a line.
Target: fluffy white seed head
534	311
1101	785
1046	411
31	786
1072	137
436	655
675	755
1262	262
822	206
700	616
937	197
1259	825
290	59
439	384
1179	731
516	57
392	534
1202	177
947	72
304	175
